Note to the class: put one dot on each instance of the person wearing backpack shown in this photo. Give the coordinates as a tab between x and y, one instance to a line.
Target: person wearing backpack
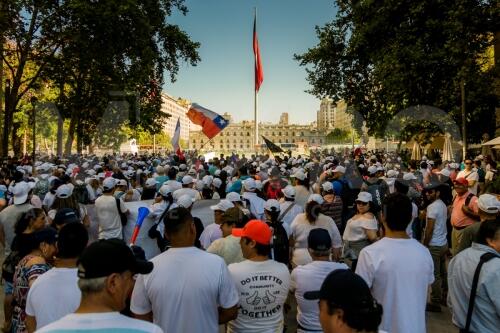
378	189
108	210
481	175
279	241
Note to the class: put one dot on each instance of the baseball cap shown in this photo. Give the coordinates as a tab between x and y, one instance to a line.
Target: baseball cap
445	172
392	173
186	180
109	183
339	168
409	176
432	186
289	191
121	182
233	196
488	203
185	201
346	290
272	205
299	175
165	190
217	182
65	215
319	240
20	191
372	170
364	197
327	186
223	205
316	198
108	256
256	230
64	191
249	184
461	181
151	182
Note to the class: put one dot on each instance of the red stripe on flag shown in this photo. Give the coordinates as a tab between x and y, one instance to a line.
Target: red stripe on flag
259	72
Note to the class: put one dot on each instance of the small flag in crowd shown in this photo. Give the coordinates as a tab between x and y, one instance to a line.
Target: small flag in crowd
211	123
259	71
176	138
272	146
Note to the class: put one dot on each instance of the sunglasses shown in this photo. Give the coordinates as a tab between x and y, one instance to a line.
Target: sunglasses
468	163
361	203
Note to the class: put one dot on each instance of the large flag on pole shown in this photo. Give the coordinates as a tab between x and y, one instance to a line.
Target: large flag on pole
211	123
259	72
272	146
176	139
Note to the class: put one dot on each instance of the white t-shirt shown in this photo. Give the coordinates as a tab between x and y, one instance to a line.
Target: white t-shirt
414	215
256	204
53	295
211	233
355	228
100	322
470	175
108	219
438	211
300	231
184	291
306	278
228	248
399	272
48	200
186	190
291	214
263	288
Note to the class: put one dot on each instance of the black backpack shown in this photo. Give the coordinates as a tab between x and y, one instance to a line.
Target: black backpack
280	245
81	194
375	189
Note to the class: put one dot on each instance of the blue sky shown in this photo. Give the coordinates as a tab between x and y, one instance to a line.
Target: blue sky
223	81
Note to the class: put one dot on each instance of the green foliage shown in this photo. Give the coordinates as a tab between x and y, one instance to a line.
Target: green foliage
338	136
384	56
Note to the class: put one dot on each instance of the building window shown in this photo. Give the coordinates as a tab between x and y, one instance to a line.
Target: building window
312	140
248	146
286	141
194	142
241	141
293	133
279	133
241	146
286	133
248	133
221	133
301	133
234	134
272	134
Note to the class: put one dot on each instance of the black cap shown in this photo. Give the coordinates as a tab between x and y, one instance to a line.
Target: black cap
319	240
346	290
65	215
107	256
432	186
46	235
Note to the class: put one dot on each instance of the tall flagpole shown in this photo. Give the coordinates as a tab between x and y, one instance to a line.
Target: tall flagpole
256	120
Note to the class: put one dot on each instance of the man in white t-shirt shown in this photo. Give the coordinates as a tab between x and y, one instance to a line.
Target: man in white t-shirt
435	239
213	231
189	290
250	197
398	270
262	283
346	304
311	276
106	207
106	270
471	176
187	188
59	283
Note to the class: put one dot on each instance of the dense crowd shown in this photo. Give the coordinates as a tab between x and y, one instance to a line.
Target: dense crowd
368	234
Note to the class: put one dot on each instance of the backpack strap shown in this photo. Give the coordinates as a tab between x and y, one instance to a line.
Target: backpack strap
468	199
485	257
280	217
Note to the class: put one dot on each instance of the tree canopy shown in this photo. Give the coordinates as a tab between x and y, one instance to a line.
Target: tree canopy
385	56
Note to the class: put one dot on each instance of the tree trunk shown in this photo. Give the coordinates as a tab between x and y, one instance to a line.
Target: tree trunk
60	128
71	133
16	139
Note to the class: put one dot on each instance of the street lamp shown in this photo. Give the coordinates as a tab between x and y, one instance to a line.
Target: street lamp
34	101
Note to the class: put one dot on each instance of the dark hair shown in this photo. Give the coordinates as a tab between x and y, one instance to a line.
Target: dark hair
25	220
477	163
397	210
262	249
168	198
401	187
69	202
175	219
313	209
371	208
273	214
72	240
172	173
361	320
46	235
304	182
423	165
488	229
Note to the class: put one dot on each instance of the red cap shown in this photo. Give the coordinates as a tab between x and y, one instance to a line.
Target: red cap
256	230
461	181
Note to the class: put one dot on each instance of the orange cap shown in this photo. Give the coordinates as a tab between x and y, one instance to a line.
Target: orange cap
256	230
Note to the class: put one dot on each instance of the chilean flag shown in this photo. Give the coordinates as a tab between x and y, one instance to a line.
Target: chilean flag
175	139
259	71
211	123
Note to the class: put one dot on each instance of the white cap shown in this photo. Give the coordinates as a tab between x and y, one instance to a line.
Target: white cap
372	170
151	182
207	180
488	203
327	186
159	169
392	173
223	205
121	182
186	180
249	184
299	175
217	182
445	172
199	185
364	197
165	190
233	196
409	176
185	201
289	191
272	205
316	198
109	183
182	167
339	168
64	191
20	191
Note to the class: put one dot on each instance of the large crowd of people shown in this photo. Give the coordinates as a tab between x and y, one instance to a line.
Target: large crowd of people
376	238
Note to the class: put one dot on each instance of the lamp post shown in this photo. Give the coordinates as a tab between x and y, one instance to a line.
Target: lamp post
34	101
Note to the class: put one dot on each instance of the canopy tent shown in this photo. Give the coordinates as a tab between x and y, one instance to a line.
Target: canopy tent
447	149
494	142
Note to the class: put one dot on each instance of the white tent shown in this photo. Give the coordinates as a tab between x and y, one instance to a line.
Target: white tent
494	142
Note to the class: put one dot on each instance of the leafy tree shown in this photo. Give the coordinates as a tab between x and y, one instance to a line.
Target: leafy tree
382	57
